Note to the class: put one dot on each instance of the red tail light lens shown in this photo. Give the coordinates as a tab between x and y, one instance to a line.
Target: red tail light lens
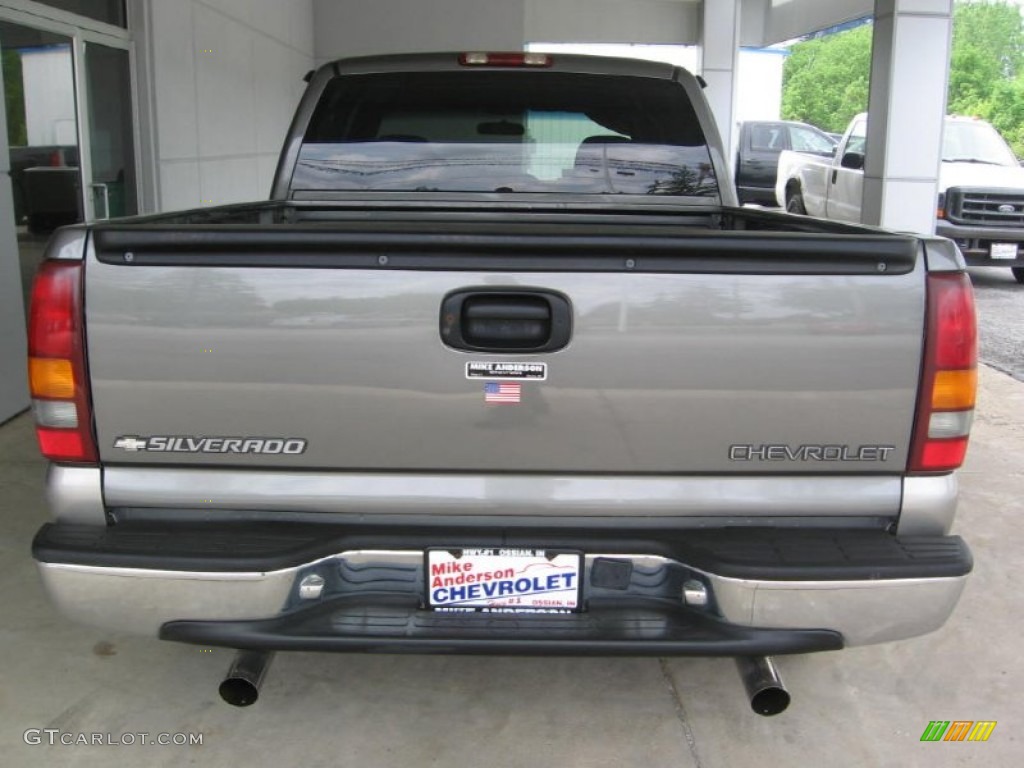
952	321
949	378
52	324
57	372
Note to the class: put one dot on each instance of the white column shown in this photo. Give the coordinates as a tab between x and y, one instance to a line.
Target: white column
906	106
719	53
13	378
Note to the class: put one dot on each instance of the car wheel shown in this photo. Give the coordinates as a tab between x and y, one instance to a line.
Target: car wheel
795	203
1018	272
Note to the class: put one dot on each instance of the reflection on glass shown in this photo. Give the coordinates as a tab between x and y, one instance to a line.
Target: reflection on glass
109	11
42	132
526	131
589	168
111	139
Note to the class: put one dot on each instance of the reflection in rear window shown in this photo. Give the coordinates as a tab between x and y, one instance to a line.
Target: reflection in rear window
471	131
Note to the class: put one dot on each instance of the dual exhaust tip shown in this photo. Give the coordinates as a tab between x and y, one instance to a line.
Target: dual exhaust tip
241	685
768	696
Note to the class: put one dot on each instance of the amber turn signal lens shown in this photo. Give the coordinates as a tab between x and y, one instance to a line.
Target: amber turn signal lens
954	390
51	377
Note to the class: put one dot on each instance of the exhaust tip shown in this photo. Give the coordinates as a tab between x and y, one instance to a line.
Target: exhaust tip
241	685
238	692
768	696
770	701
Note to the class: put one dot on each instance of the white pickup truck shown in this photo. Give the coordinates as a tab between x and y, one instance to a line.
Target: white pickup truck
981	197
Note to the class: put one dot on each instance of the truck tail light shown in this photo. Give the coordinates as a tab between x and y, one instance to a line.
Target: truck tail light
511	59
56	364
949	379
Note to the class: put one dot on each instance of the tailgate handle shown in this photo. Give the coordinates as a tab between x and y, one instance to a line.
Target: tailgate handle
500	320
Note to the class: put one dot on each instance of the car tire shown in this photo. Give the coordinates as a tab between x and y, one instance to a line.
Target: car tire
795	203
1018	273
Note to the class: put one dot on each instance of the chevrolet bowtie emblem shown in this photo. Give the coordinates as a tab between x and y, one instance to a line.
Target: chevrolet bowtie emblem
131	444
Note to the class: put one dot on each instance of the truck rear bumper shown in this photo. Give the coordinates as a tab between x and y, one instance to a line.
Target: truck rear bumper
764	591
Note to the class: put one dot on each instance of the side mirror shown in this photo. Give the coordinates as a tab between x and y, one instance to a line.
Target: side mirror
853	160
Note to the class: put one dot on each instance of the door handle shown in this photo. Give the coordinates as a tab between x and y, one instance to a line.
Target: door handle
506	320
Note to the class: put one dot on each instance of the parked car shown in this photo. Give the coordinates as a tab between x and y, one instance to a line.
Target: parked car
758	149
981	189
503	368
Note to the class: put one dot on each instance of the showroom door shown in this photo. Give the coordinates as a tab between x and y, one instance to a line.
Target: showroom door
69	152
111	184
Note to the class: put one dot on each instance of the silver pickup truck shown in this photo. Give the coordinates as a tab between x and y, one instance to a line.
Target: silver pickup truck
501	368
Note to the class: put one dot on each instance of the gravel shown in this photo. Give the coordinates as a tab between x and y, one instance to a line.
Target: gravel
1000	303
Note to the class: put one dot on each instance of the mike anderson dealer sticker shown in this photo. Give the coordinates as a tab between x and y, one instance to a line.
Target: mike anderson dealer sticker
507	371
503	579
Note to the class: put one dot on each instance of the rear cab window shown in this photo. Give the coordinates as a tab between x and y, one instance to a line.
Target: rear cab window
514	132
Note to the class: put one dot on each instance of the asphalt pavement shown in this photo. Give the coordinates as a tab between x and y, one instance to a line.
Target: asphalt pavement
1000	303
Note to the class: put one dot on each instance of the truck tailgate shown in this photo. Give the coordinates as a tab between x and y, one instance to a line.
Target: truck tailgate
738	353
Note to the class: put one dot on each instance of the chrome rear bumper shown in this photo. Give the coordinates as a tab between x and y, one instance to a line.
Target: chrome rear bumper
141	600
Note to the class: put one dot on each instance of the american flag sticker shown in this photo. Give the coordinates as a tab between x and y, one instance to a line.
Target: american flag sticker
503	392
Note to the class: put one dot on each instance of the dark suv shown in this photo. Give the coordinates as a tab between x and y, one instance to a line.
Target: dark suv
757	159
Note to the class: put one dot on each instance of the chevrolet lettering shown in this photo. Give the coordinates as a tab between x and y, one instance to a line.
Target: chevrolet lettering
810	452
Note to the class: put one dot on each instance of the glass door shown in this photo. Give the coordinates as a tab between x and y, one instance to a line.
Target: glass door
69	156
42	128
42	138
112	184
67	100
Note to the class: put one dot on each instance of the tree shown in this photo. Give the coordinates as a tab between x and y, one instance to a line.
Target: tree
825	80
1005	110
14	97
987	52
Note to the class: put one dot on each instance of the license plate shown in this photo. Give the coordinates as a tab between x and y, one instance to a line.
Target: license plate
1004	251
499	579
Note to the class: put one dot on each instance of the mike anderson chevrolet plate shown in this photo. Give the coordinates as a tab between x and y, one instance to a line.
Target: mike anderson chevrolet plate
503	579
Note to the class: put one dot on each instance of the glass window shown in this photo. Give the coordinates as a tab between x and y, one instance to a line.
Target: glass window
768	138
807	140
110	11
42	127
858	138
856	144
518	131
111	134
975	142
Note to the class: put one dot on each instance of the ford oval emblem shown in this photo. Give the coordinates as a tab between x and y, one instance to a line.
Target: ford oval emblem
1006	208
